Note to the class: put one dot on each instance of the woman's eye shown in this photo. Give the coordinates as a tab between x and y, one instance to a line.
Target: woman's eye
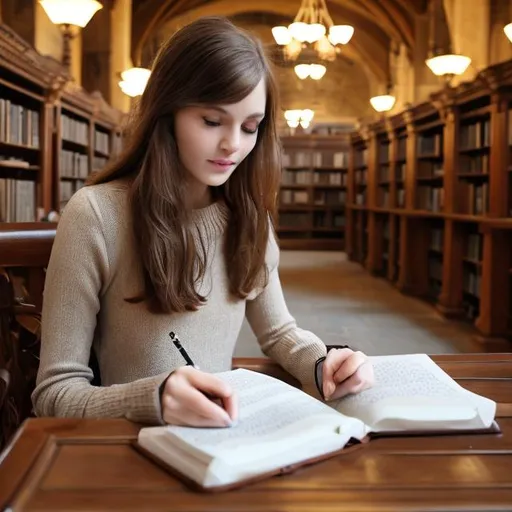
250	129
207	122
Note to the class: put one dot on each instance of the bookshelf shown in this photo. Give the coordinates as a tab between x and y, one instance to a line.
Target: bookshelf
313	192
435	218
52	132
25	181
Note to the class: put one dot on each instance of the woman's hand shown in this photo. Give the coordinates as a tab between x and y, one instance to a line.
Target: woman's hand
184	400
345	372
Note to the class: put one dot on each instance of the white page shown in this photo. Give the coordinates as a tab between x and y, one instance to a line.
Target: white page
412	392
269	411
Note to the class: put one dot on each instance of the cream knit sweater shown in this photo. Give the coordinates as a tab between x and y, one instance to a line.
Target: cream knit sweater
94	267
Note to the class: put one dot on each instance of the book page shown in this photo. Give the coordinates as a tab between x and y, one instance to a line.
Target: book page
412	392
270	411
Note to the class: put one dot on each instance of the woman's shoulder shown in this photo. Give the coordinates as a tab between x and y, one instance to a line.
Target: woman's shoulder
106	201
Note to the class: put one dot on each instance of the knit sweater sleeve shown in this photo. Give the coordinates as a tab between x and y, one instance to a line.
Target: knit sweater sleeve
77	274
276	330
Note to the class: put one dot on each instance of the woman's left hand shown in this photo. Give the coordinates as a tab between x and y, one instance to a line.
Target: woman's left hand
345	372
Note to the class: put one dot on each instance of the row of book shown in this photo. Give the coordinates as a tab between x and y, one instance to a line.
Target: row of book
336	159
295	177
101	142
330	197
471	281
321	220
430	198
437	239
361	158
474	249
288	197
360	176
475	135
330	178
473	198
430	145
383	153
429	169
73	165
74	130
17	200
18	124
474	164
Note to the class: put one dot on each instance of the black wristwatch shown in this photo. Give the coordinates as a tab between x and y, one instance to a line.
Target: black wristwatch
319	368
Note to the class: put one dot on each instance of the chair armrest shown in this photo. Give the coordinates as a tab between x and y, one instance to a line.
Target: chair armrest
266	366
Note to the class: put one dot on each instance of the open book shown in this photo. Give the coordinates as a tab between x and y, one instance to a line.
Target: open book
281	427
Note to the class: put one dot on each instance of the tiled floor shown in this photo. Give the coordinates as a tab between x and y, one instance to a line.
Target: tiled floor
340	302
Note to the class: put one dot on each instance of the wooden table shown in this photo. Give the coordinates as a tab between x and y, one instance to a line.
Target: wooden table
61	464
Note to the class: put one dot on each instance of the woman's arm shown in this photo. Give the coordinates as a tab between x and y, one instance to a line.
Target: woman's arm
295	349
77	275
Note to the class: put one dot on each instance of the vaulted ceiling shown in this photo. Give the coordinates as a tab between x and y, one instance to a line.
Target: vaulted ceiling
377	22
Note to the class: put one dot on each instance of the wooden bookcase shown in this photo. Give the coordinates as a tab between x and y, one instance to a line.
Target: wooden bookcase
51	132
313	192
436	218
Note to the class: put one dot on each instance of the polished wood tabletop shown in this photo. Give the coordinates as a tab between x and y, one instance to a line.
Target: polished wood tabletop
68	464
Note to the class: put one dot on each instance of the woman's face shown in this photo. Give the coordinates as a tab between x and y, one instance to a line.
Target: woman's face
213	140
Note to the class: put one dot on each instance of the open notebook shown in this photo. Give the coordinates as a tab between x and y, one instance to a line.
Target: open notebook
281	428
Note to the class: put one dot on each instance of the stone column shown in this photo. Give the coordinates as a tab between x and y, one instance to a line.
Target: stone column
120	46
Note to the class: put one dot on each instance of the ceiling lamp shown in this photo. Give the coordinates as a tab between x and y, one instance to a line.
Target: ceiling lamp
508	31
70	15
448	65
383	103
312	26
314	71
134	81
296	117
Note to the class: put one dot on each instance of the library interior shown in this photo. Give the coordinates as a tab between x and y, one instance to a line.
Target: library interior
393	214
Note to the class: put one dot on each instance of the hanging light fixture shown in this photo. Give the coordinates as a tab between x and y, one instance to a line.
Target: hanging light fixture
508	31
70	15
448	65
443	61
134	81
314	26
385	102
296	117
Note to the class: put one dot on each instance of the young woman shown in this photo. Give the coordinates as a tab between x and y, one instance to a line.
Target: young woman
176	236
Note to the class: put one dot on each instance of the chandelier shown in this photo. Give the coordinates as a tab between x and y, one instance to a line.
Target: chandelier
312	27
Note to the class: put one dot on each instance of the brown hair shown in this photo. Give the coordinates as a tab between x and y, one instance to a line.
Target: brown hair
186	72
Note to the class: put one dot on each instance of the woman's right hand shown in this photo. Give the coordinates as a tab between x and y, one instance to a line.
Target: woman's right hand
184	401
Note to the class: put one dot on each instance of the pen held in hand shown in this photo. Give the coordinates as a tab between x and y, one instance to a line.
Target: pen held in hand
189	362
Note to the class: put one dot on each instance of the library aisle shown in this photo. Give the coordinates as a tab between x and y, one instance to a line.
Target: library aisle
342	303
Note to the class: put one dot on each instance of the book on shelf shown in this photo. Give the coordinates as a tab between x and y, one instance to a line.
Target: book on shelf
281	428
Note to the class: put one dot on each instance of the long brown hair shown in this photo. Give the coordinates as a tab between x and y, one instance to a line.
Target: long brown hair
209	61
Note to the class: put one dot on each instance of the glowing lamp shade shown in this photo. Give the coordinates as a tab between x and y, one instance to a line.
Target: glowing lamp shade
317	71
299	31
302	71
383	103
448	64
508	31
282	35
134	81
70	12
340	34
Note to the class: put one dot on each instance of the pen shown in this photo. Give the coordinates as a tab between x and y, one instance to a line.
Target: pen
189	362
181	350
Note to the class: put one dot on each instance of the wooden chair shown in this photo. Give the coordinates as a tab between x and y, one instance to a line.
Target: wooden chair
24	254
